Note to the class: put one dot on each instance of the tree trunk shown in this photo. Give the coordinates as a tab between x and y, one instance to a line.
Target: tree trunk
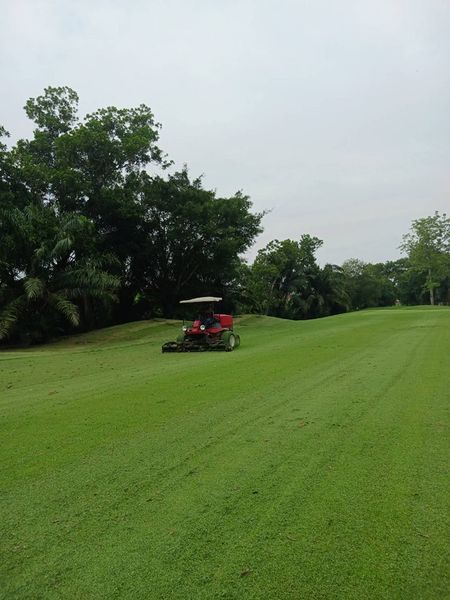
431	288
124	309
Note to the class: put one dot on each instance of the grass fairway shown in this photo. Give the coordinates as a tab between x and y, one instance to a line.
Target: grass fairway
309	464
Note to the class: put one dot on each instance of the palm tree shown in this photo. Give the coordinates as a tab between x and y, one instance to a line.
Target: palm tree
53	277
328	295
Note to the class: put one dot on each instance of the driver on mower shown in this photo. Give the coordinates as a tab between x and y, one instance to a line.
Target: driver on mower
208	319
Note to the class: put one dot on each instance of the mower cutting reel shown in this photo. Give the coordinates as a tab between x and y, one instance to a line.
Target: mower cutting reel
209	331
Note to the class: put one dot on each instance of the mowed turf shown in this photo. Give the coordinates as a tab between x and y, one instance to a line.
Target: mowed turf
310	463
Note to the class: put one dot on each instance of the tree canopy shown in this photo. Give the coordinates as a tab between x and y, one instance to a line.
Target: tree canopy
428	248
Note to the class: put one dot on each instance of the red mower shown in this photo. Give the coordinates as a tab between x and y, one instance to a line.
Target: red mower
209	331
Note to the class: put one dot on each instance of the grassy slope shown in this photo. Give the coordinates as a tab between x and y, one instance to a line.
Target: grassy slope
308	464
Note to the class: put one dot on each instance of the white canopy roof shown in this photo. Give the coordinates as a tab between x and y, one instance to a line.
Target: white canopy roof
202	299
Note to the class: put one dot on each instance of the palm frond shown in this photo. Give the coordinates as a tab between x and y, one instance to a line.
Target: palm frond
75	223
88	279
66	308
10	315
34	288
41	252
103	261
61	247
79	292
13	216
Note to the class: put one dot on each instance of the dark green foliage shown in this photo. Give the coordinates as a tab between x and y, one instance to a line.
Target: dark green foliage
193	239
286	281
54	112
90	236
281	280
368	285
54	282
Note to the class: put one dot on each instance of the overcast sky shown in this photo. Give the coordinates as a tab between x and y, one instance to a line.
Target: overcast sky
333	115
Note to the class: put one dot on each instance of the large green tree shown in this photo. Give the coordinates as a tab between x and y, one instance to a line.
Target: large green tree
193	239
428	248
96	167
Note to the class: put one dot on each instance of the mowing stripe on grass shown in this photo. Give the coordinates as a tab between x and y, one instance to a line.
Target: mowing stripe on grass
310	463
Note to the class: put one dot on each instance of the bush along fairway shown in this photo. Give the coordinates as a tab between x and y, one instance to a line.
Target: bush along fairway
311	464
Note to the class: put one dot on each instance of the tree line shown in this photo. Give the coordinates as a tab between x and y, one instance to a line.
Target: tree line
285	279
95	231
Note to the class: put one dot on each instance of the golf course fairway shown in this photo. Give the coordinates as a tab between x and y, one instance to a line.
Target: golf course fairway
308	464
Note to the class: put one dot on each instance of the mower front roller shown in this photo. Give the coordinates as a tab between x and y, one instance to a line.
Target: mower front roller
228	342
171	347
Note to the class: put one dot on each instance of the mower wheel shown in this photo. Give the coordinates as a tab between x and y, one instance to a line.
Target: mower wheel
229	339
238	340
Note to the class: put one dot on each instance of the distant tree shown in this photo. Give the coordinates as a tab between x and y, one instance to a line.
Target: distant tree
411	287
428	248
361	288
407	284
330	295
281	279
379	273
368	285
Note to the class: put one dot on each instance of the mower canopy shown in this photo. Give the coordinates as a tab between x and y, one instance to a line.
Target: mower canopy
201	300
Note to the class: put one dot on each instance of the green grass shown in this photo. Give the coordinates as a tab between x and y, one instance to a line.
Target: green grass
309	464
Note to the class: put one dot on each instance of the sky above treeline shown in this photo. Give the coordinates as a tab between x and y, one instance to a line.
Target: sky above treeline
332	115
